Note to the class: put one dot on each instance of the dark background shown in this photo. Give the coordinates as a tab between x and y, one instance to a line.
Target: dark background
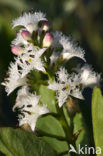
81	18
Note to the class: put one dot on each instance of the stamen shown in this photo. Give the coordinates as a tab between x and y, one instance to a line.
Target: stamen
71	91
22	114
29	105
7	73
26	112
64	89
63	82
20	72
29	50
32	56
31	11
21	60
77	87
5	79
27	62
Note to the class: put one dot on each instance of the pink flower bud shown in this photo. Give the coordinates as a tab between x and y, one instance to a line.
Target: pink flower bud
48	40
45	25
17	50
26	35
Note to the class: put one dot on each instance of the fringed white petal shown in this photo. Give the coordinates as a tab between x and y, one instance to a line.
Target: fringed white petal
29	19
69	48
14	80
67	84
88	76
31	60
62	75
27	104
62	97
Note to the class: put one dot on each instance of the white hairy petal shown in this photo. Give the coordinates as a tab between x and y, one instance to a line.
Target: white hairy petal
29	21
27	103
30	61
69	48
66	85
14	80
88	76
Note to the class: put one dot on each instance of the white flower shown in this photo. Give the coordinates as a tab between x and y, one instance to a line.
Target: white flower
31	60
29	20
28	105
69	48
24	63
88	76
57	37
67	84
14	80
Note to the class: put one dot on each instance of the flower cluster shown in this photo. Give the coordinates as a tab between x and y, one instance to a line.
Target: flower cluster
36	47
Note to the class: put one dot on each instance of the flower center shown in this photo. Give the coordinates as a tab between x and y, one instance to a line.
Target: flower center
66	87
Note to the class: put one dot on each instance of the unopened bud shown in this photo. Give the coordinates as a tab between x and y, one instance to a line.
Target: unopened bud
26	127
48	40
26	35
17	50
45	25
72	106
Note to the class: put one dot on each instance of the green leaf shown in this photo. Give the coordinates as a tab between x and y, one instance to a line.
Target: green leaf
51	126
53	133
48	98
83	138
17	142
97	116
59	146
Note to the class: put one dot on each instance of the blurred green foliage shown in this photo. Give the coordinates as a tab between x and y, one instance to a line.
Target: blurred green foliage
82	19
